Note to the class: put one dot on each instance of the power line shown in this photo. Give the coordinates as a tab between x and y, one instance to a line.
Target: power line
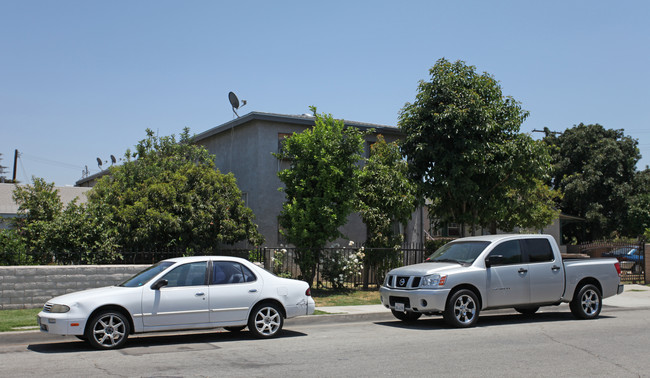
51	162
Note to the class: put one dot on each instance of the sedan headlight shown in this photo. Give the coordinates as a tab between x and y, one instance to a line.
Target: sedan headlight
433	280
59	308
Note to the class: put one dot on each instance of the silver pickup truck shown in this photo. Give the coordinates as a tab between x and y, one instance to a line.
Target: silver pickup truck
478	273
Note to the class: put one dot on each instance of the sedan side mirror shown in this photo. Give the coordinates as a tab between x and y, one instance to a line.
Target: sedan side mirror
159	284
493	260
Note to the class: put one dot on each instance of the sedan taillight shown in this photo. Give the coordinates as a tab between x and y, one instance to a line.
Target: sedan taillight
308	292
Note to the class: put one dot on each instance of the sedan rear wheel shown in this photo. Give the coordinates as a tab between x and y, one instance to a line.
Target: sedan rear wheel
108	330
265	320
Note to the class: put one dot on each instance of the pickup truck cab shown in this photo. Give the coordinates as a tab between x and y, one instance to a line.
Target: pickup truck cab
477	273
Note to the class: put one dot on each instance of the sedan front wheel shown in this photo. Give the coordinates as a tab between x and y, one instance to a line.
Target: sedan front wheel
108	330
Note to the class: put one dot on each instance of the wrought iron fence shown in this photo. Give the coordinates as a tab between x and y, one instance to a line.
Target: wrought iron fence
340	268
630	253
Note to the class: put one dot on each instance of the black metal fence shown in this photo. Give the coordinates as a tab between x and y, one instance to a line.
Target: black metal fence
630	253
340	268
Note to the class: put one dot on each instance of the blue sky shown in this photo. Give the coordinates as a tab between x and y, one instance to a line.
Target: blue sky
84	79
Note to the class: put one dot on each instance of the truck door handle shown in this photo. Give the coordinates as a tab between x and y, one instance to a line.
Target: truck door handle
522	270
555	268
199	294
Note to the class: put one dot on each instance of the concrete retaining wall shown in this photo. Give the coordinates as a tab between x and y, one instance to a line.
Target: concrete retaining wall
32	286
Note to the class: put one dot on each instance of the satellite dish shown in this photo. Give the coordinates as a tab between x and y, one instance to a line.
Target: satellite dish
234	101
99	163
113	160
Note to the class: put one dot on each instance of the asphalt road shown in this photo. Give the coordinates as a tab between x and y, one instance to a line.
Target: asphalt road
548	344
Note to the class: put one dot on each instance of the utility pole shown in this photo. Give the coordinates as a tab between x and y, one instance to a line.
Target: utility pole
13	179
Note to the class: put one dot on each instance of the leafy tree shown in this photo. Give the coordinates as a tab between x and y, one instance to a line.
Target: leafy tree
386	194
320	186
595	168
39	205
13	250
464	148
638	205
386	197
48	229
168	194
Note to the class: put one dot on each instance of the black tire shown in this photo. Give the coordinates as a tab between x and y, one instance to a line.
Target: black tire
265	321
526	310
462	309
407	316
636	268
234	328
587	302
108	330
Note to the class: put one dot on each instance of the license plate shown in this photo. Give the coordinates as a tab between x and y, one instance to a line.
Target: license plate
399	306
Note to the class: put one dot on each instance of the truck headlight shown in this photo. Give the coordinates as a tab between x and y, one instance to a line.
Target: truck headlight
58	308
433	280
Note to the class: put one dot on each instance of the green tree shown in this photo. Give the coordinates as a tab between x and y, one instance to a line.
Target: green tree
168	194
50	231
39	205
386	198
595	168
638	205
464	148
386	194
320	186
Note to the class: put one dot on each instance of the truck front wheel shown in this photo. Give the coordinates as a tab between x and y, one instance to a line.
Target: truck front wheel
462	309
587	303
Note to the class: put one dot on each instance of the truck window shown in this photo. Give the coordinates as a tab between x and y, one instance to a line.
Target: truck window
539	250
510	251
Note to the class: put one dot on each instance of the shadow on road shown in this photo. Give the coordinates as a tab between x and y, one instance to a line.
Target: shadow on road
486	320
160	343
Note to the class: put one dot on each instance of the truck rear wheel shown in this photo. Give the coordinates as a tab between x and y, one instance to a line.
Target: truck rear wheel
462	309
586	304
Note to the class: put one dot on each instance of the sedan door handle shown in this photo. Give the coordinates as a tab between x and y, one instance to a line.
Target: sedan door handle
252	291
199	294
555	268
522	270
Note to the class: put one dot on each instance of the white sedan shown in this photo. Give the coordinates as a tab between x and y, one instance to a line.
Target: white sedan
179	294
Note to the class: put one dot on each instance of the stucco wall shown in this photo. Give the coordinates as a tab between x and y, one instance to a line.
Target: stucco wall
32	286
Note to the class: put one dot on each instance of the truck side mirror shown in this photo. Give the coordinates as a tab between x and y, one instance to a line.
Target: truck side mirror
159	284
493	260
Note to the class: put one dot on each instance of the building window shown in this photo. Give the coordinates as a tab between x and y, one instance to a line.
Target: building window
453	229
281	138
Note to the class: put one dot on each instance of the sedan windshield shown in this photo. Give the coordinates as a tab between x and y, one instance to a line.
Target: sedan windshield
463	253
147	274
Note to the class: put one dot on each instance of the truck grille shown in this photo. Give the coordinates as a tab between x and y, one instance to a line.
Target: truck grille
403	282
